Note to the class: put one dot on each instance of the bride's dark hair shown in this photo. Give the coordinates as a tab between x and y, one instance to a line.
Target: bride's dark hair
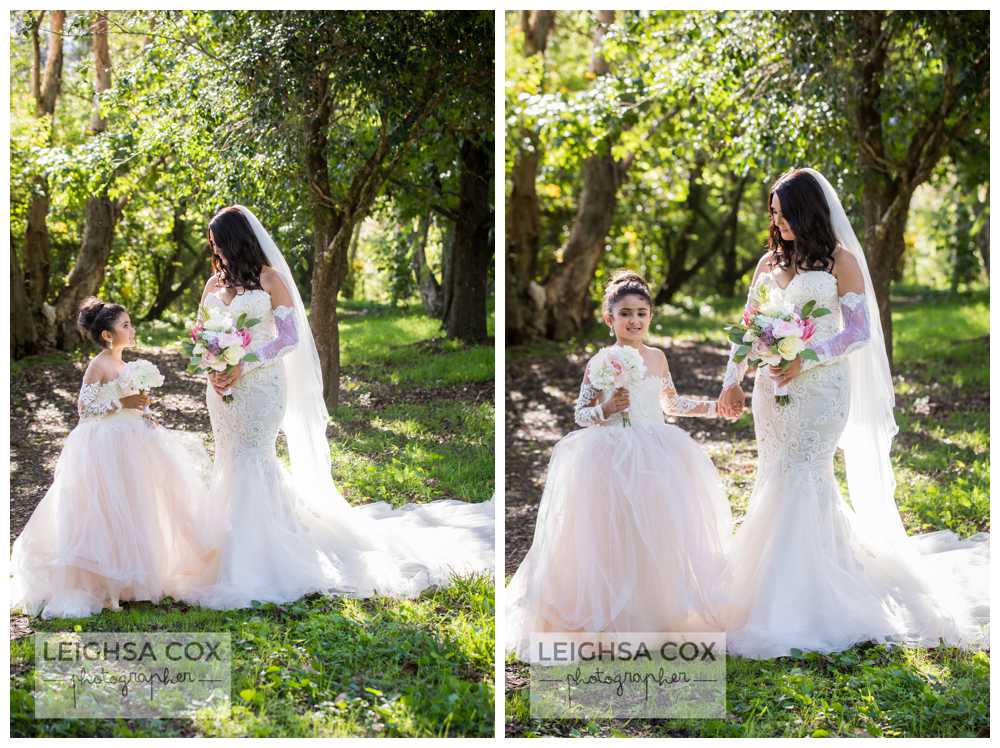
236	242
804	206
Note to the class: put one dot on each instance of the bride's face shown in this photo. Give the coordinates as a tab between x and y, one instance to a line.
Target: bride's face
779	220
215	250
630	318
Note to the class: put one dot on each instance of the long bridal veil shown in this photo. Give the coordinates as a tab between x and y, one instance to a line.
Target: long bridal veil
391	551
959	569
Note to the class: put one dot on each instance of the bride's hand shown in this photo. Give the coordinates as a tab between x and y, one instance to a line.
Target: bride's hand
222	381
731	402
781	376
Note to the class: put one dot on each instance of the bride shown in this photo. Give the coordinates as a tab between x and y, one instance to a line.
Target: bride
808	571
289	533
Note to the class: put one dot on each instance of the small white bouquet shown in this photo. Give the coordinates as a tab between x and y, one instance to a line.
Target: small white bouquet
614	367
141	375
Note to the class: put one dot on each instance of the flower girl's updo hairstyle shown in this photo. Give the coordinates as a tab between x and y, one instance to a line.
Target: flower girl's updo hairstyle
625	283
95	317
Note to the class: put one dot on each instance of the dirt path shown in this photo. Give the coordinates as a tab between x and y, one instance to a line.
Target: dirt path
541	390
43	412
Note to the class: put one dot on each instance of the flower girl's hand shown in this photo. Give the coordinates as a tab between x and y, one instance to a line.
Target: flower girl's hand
617	403
731	402
136	402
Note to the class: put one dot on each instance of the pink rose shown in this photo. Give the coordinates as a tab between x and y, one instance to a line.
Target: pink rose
244	337
808	328
196	331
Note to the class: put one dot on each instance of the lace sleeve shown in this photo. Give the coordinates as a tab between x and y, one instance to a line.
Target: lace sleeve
89	404
677	405
285	341
855	333
585	412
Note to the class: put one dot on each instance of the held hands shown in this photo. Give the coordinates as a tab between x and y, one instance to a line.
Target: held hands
731	402
617	403
223	381
781	376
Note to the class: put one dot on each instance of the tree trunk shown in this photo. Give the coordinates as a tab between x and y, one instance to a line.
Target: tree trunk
887	187
472	250
431	293
101	214
23	335
88	271
522	219
166	290
561	307
45	90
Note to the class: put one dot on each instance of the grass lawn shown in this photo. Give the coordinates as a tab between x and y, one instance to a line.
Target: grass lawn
941	461
415	424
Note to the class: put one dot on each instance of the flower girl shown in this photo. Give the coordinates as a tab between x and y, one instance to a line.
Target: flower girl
633	525
118	521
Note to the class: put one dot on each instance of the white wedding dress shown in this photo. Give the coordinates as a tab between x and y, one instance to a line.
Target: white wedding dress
804	571
632	529
283	538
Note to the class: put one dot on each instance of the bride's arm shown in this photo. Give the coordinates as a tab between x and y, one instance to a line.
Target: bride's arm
283	308
854	309
678	405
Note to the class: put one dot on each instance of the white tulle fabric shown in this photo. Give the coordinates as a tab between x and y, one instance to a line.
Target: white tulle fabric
805	571
631	533
120	520
290	532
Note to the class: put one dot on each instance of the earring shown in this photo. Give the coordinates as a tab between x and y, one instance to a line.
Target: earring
611	332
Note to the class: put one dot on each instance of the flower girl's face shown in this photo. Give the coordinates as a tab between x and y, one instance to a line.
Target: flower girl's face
780	221
122	334
630	318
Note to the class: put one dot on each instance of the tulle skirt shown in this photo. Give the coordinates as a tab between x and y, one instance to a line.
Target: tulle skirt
631	536
803	575
279	546
284	538
120	522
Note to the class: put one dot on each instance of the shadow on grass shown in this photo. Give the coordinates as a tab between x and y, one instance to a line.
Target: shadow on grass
317	667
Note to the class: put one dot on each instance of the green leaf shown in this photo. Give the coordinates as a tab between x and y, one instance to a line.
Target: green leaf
821	312
808	308
808	354
247	694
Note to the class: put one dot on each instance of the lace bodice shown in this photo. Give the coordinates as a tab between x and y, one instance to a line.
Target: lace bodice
812	285
257	305
648	401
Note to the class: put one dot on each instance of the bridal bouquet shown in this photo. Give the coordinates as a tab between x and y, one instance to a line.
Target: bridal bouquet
218	343
772	333
616	366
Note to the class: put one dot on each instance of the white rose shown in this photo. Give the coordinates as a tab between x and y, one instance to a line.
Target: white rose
232	355
789	348
228	339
